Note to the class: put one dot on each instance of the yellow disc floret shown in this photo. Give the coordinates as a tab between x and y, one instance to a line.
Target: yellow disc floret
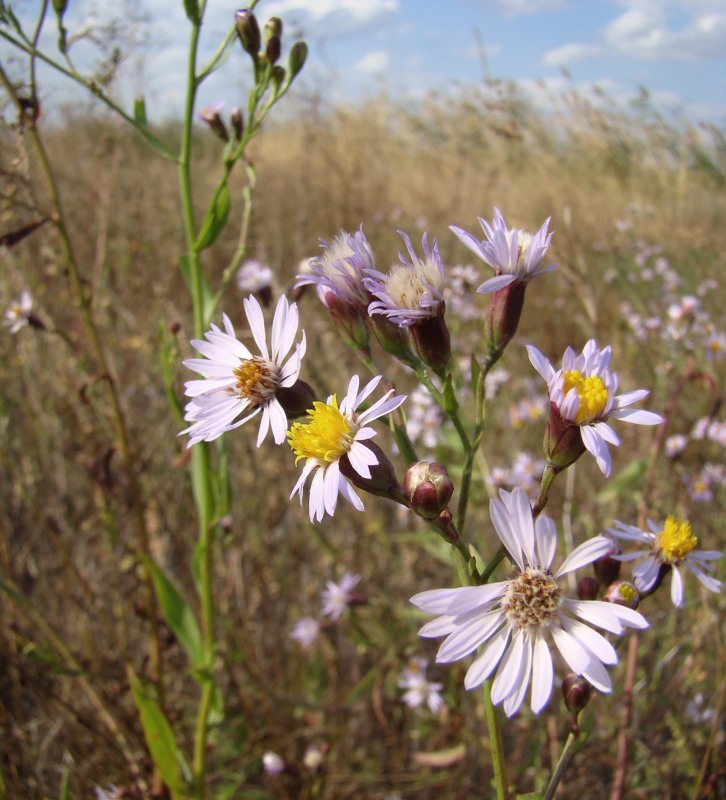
675	541
592	392
327	436
257	379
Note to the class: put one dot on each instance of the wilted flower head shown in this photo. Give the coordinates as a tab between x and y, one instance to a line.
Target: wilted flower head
235	382
335	434
513	253
582	396
337	597
18	313
419	689
512	621
412	290
672	545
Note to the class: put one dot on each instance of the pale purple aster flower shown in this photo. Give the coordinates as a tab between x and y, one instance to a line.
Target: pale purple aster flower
675	445
583	391
514	254
412	290
273	764
253	276
331	434
516	620
526	471
337	597
672	544
419	689
235	382
17	314
306	632
339	272
424	418
112	793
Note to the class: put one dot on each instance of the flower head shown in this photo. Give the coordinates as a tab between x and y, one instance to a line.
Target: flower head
335	433
419	689
412	290
337	597
582	395
235	382
253	276
273	764
515	621
672	545
18	313
513	253
306	632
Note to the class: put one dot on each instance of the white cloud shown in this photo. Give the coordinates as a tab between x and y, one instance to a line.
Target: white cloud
516	8
643	31
349	13
373	63
569	53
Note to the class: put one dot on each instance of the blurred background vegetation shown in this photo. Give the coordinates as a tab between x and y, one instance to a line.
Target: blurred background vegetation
615	182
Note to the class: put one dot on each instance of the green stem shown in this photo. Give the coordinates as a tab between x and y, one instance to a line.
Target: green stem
495	744
568	752
465	489
548	477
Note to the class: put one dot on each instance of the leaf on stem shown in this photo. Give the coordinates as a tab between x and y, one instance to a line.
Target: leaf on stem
215	219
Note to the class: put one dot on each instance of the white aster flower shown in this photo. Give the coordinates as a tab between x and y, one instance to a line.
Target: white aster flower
253	276
17	314
272	763
671	545
333	433
583	391
419	689
336	597
513	253
306	632
235	382
515	620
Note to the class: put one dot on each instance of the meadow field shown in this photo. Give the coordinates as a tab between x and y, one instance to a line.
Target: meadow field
110	593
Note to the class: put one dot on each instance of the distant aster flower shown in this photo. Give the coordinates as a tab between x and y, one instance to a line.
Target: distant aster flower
306	632
18	313
112	793
272	763
412	291
675	445
253	276
515	620
337	597
671	545
339	272
419	689
583	392
235	382
513	253
333	433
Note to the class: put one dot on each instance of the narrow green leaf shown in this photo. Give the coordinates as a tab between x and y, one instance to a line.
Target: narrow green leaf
627	483
451	402
475	370
215	219
158	734
140	110
363	686
191	8
178	614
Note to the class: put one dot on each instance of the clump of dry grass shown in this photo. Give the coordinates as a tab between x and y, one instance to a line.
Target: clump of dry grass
73	610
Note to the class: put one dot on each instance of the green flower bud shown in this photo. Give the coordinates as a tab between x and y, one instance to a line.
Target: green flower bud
273	28
432	341
296	59
394	339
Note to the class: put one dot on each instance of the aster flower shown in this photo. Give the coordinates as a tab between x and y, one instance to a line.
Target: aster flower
412	290
419	689
673	546
253	276
513	253
273	764
513	620
337	597
306	632
582	400
234	382
18	313
333	440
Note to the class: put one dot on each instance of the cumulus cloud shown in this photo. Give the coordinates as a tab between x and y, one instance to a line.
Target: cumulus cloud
373	63
644	31
569	53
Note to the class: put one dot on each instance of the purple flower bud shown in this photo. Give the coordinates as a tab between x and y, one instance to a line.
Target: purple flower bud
576	692
248	31
383	481
297	399
607	569
428	488
587	588
563	443
502	319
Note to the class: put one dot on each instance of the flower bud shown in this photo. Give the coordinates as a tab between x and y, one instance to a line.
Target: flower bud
296	59
295	400
432	341
502	317
213	118
576	692
563	443
237	120
587	588
622	593
383	481
351	321
394	339
248	31
428	488
273	28
272	49
607	569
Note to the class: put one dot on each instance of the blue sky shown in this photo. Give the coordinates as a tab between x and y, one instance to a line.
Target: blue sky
674	48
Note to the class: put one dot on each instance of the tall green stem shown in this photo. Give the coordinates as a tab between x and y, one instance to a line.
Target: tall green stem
495	744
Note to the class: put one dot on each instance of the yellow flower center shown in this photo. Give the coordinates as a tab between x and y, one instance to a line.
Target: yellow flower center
406	286
675	541
257	379
327	436
591	391
532	598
